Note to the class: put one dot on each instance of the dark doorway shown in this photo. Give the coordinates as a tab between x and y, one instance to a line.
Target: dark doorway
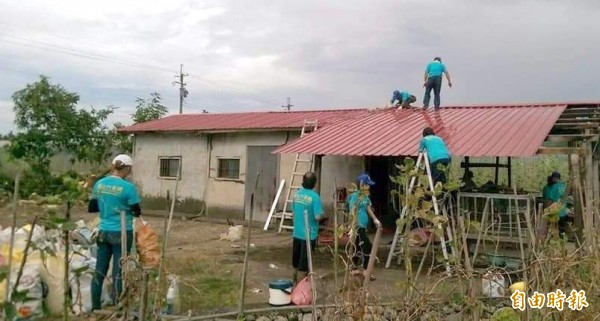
380	169
260	159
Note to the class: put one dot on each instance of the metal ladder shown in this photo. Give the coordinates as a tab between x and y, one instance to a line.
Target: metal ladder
302	164
401	231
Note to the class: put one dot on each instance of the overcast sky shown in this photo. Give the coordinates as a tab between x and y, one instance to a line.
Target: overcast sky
251	55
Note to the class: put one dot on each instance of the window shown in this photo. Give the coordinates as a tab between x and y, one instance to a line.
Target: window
169	167
229	168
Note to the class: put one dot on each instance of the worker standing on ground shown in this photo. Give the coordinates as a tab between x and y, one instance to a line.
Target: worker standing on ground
305	199
437	152
554	192
360	204
404	99
111	195
433	80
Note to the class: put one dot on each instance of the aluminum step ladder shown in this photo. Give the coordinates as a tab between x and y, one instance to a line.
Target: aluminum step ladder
302	164
402	230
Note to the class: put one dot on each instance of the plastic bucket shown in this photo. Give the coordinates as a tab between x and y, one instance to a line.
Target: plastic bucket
280	292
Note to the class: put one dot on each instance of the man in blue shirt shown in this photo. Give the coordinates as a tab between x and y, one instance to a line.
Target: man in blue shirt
404	99
305	200
433	80
360	205
554	192
437	152
112	195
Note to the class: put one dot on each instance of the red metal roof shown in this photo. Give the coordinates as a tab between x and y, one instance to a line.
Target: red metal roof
242	121
467	131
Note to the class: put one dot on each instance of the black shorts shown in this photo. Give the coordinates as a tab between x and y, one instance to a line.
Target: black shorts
299	254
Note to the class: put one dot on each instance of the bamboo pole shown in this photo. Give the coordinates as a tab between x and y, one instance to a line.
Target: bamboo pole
66	276
144	297
335	238
165	238
310	266
15	204
370	267
24	260
124	272
248	235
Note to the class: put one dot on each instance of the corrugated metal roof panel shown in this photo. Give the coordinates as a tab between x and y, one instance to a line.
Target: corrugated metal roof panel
468	131
241	121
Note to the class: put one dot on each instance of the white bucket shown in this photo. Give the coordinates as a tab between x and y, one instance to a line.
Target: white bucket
494	285
280	292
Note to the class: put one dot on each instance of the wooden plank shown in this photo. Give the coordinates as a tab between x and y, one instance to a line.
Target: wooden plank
492	165
561	151
501	238
578	125
571	137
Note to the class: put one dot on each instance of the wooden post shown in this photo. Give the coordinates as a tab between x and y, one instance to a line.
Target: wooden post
67	287
144	297
577	200
318	166
509	171
15	208
310	266
370	268
335	238
589	196
246	254
123	265
497	170
596	183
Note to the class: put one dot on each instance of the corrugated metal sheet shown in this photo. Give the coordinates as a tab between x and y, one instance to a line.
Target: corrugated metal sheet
468	131
241	121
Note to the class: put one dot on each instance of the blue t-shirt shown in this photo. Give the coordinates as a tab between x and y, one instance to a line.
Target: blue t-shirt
555	193
309	200
115	194
435	147
362	216
434	69
400	96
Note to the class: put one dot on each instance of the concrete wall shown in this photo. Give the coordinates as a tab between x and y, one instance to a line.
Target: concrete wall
201	190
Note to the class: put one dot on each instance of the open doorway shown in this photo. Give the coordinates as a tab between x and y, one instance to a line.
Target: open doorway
380	168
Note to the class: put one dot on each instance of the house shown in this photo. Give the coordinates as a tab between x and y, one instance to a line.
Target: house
220	154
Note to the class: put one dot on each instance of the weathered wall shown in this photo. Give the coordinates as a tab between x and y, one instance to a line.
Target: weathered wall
199	183
193	151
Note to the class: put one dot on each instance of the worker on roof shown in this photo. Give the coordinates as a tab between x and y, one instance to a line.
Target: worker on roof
306	200
359	204
433	80
437	152
404	99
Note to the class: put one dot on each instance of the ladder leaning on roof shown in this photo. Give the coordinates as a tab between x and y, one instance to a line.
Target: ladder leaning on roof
302	164
403	228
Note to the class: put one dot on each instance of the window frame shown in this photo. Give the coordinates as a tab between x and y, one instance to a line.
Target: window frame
239	169
169	158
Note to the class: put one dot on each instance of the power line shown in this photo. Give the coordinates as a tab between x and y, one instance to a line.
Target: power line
104	58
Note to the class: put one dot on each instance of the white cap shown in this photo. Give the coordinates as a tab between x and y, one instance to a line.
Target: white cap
125	160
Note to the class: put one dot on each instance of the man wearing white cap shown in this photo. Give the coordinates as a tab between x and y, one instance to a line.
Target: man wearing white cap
111	195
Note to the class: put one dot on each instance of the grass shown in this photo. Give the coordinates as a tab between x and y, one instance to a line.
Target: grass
204	285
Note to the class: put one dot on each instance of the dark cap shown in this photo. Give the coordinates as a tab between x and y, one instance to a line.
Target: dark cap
438	59
554	174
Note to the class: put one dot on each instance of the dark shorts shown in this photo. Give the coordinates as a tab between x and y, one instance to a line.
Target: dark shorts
299	254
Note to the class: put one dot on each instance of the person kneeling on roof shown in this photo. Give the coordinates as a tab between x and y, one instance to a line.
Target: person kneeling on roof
404	99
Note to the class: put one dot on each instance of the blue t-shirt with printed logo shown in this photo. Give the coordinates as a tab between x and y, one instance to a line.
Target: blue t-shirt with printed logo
435	69
306	200
362	204
115	194
435	147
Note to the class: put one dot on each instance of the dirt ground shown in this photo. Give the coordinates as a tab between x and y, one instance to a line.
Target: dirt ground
210	268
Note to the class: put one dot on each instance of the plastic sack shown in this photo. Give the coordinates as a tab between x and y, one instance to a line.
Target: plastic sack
82	273
147	245
234	233
31	284
493	285
302	292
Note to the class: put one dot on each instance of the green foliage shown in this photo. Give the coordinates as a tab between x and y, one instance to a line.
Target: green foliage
49	121
149	109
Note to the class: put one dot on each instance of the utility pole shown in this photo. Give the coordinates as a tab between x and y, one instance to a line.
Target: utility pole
182	91
288	106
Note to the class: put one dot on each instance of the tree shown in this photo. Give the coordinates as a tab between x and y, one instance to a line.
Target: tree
48	121
149	109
